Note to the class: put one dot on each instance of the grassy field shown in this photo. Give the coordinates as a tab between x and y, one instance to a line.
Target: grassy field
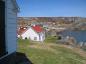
50	39
47	53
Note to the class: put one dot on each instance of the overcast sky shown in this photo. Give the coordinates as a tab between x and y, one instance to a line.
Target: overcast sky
49	8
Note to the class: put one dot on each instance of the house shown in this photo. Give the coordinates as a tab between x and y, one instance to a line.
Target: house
8	19
35	33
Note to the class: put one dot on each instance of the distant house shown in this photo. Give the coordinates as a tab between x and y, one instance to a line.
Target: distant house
8	19
35	33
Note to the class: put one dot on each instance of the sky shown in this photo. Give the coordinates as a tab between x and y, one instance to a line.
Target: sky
52	8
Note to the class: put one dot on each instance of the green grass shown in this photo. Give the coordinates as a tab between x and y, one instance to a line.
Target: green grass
51	39
59	55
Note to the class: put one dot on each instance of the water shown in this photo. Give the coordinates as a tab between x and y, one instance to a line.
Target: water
80	36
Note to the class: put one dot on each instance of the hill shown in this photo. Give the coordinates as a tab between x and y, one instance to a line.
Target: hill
47	53
72	22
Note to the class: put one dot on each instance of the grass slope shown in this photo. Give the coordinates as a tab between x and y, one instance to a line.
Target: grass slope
49	54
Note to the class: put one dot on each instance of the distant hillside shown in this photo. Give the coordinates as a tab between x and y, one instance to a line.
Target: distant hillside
50	19
24	21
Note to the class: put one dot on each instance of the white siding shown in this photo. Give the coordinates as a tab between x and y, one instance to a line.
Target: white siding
11	18
31	34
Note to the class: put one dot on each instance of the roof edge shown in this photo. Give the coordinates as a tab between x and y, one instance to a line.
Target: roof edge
16	5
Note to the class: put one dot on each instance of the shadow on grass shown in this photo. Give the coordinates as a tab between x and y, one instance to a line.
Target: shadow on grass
16	58
21	58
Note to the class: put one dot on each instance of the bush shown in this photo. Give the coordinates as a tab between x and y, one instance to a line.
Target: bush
59	38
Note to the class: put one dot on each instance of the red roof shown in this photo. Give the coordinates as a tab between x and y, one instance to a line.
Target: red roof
37	28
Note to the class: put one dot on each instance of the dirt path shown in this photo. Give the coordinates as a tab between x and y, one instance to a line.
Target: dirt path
76	50
44	46
47	46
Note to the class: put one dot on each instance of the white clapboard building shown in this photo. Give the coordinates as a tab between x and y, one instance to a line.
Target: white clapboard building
34	33
8	19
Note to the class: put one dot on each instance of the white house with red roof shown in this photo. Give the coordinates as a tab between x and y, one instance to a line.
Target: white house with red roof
35	33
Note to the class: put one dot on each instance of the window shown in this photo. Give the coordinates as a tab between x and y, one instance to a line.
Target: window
35	38
39	37
43	37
